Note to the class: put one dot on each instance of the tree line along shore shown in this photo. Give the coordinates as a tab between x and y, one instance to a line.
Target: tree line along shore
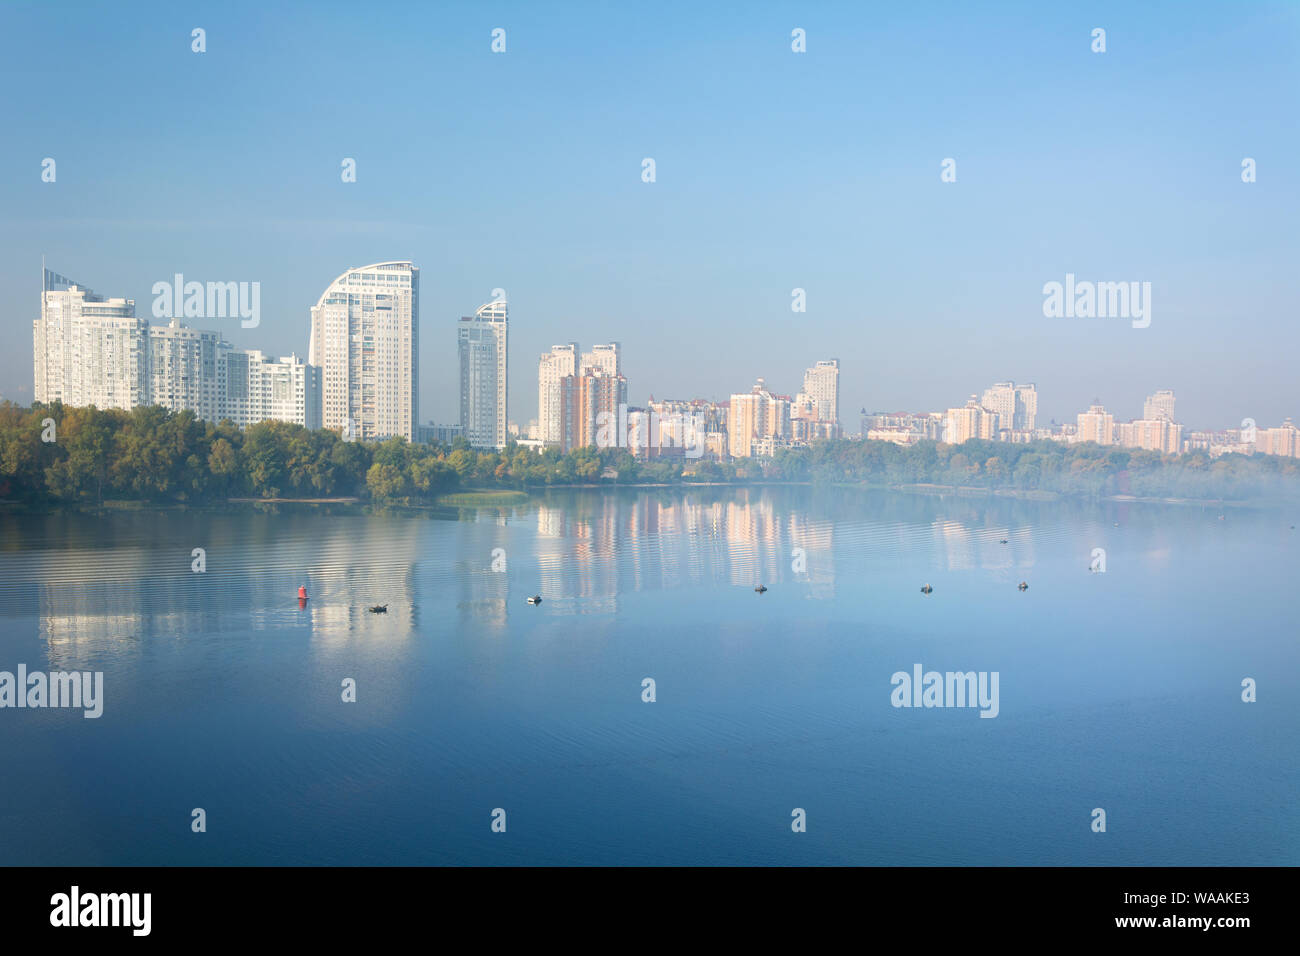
52	456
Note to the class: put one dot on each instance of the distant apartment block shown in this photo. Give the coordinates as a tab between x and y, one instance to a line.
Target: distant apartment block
483	347
95	352
365	339
607	358
1282	440
1157	434
1016	406
893	426
758	422
1159	405
438	434
182	364
1096	425
559	362
821	386
88	350
254	387
592	410
972	420
676	429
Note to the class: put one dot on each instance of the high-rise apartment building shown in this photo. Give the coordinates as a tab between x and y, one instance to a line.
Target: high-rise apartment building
821	384
560	361
365	339
592	406
182	366
758	422
1282	440
972	420
1096	424
1016	406
91	351
88	350
254	387
1026	408
1159	405
607	358
482	341
1151	434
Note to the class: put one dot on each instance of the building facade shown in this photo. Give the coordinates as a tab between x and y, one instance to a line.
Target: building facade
560	361
1151	434
972	420
1097	425
593	410
483	346
758	422
365	339
1159	405
254	387
821	384
88	350
1016	406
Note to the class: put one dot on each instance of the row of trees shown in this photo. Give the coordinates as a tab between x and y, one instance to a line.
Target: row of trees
56	455
1087	468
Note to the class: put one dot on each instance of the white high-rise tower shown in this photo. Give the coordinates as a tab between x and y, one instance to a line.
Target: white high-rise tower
559	362
365	338
821	384
482	342
88	350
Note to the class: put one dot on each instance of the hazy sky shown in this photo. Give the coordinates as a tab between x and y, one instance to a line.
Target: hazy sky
775	170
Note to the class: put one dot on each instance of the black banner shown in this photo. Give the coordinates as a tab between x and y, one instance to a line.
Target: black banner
1228	905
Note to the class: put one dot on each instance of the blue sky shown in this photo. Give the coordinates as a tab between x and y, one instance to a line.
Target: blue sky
775	170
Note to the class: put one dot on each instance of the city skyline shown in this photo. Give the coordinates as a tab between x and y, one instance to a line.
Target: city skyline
483	357
813	182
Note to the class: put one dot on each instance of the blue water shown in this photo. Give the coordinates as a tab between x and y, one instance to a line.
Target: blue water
1119	690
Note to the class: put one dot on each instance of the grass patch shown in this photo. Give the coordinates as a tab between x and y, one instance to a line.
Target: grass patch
476	498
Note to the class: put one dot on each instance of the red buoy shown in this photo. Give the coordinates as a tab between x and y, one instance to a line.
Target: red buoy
302	592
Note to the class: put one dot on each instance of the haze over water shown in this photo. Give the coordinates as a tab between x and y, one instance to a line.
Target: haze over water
1119	690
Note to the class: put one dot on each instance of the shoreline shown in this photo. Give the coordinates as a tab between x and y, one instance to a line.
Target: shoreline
497	497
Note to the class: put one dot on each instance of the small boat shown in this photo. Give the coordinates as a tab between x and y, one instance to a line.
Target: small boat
1023	585
379	609
761	588
535	599
926	589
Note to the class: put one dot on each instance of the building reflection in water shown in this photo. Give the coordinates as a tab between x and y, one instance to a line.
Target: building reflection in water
595	547
471	569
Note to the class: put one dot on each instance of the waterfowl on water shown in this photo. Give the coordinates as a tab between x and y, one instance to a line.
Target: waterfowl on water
1002	541
761	588
926	589
535	599
379	609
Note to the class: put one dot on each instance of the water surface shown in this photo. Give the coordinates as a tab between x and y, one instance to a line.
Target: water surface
1119	690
